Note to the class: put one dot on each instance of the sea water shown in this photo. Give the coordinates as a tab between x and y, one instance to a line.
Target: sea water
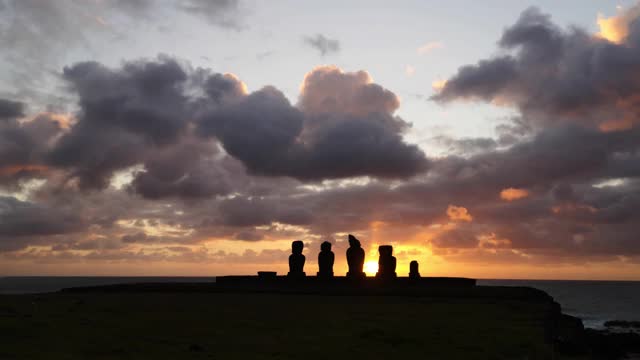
592	301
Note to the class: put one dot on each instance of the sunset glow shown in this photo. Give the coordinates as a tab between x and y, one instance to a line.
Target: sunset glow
505	145
371	267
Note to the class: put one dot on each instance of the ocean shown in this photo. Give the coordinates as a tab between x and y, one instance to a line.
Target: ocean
592	301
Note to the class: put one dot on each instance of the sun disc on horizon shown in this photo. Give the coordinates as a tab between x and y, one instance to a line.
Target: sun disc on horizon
371	268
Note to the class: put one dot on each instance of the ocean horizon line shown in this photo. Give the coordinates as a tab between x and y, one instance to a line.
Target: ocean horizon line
214	276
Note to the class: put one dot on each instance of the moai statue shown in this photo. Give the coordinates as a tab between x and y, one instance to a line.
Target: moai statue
386	263
355	259
296	259
325	260
413	270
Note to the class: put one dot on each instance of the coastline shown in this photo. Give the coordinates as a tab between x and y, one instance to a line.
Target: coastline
532	319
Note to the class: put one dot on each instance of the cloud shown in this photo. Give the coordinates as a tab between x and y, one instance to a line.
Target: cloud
10	109
438	85
323	44
188	170
224	13
456	238
41	34
23	221
616	28
123	112
429	47
554	75
343	126
458	213
328	89
24	146
168	119
511	194
465	146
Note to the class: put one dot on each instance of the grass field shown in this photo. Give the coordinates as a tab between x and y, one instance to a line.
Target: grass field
263	326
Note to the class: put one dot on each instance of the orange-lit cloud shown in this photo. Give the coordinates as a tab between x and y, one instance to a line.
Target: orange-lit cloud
438	85
243	86
458	213
616	125
511	194
616	28
491	241
330	89
569	208
64	120
363	76
15	169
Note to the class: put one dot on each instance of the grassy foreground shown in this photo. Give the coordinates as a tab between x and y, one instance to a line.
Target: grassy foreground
267	326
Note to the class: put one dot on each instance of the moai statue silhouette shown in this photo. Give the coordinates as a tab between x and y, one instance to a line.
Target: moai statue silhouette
296	259
325	260
414	273
386	262
355	259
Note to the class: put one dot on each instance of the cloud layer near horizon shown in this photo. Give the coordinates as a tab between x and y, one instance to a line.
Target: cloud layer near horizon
162	161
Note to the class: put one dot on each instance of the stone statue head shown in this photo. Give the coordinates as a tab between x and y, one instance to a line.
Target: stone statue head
353	242
325	246
385	250
296	247
413	266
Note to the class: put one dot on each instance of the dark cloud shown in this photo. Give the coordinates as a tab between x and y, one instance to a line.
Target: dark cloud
123	113
10	109
554	75
243	212
143	112
23	221
465	146
24	147
259	130
189	170
456	238
576	94
323	44
248	236
139	237
224	13
352	135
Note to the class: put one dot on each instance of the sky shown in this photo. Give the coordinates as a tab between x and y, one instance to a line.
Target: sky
495	139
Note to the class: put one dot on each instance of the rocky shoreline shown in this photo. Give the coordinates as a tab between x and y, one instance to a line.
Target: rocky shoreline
619	340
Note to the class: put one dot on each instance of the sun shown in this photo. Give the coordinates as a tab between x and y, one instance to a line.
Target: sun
371	268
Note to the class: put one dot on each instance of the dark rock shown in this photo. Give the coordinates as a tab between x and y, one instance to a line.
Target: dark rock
607	345
570	336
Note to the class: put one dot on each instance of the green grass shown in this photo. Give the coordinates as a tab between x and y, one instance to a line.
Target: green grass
261	326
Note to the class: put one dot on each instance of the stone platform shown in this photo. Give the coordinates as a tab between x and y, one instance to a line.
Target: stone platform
341	285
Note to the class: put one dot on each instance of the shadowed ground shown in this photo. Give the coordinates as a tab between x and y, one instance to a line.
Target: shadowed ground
267	326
